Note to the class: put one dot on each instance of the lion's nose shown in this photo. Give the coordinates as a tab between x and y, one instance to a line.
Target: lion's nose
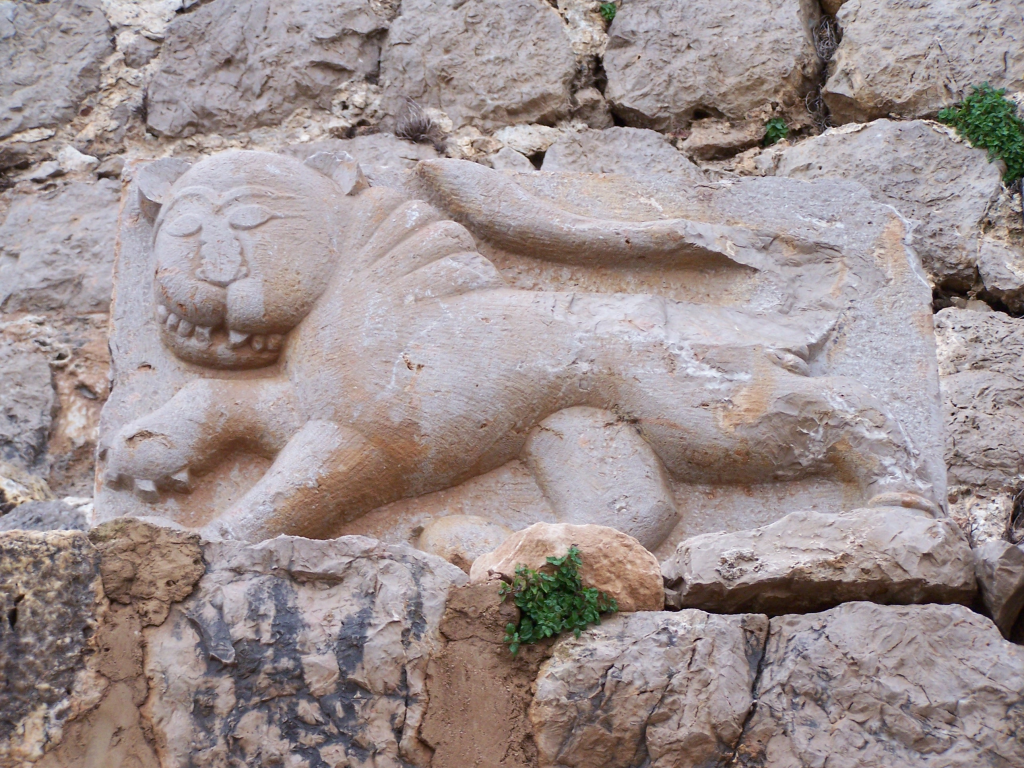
220	254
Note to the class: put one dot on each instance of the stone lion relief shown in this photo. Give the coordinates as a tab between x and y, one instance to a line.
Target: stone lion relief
368	347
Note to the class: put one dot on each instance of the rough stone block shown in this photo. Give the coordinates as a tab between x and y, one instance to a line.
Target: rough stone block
629	151
50	58
870	686
235	66
57	249
981	376
670	63
944	186
612	561
808	561
483	65
905	58
1000	569
659	689
50	606
297	647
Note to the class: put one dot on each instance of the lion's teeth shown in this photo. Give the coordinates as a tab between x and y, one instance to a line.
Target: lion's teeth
146	490
161	313
259	342
172	321
237	339
185	328
202	334
274	341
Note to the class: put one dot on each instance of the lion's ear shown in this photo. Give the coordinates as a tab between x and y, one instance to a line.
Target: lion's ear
154	182
342	168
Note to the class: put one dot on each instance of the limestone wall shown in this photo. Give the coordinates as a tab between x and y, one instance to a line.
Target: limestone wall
679	90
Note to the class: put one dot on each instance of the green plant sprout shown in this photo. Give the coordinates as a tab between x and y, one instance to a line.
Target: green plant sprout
987	119
608	11
775	130
555	603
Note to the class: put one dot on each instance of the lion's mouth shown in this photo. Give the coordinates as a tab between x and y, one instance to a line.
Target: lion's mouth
216	346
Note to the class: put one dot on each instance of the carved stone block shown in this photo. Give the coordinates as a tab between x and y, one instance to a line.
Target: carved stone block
297	350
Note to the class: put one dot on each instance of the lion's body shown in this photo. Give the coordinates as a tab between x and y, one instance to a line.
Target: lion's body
417	367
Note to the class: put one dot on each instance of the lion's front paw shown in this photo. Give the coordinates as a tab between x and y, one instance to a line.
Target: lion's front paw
145	462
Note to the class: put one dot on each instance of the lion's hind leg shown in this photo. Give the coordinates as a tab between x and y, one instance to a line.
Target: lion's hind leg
594	467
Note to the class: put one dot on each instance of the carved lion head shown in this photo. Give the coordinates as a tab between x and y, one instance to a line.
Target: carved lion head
244	244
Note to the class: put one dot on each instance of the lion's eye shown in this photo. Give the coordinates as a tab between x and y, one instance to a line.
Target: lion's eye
183	226
249	216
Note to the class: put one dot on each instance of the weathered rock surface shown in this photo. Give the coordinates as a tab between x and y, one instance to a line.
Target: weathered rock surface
55	515
906	58
668	63
808	561
50	57
148	566
27	404
659	689
483	65
943	185
612	561
1001	269
629	151
299	648
55	394
982	376
50	605
461	539
234	66
870	686
479	692
1000	570
57	249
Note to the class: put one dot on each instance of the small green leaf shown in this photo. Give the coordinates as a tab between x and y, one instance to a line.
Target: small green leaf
775	130
553	603
608	11
987	119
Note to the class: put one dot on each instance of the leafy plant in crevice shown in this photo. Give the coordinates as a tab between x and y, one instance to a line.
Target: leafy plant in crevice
987	119
608	11
775	130
553	603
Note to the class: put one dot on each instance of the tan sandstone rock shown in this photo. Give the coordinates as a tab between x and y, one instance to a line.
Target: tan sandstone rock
479	692
870	686
669	690
905	58
670	63
944	186
809	561
482	64
147	565
612	561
